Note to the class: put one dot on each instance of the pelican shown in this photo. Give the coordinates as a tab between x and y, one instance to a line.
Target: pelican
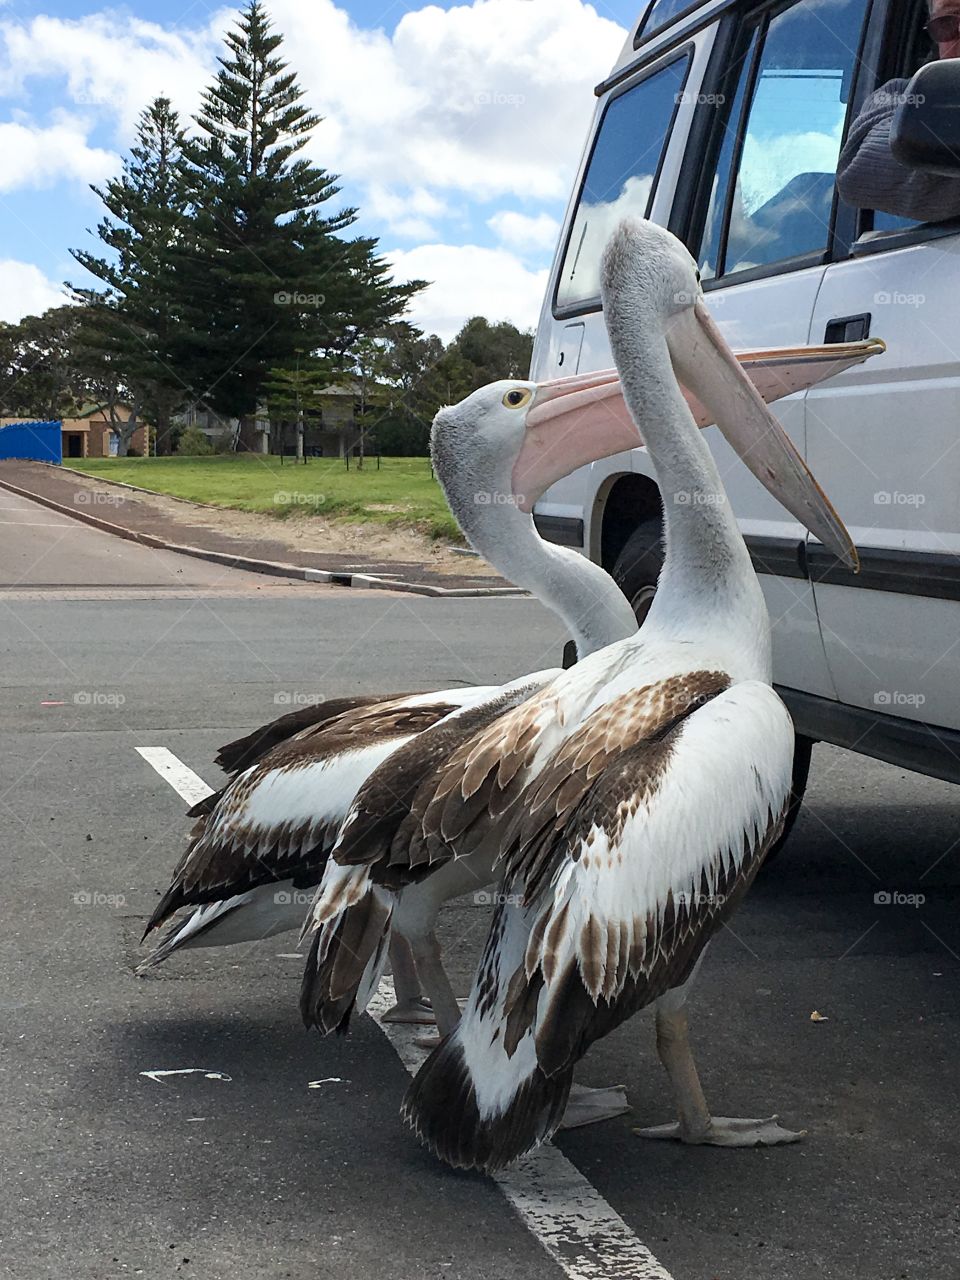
630	802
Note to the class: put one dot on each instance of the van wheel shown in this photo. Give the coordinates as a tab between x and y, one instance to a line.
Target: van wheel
802	751
635	571
638	565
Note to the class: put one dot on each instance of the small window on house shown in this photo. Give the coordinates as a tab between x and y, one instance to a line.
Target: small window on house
620	177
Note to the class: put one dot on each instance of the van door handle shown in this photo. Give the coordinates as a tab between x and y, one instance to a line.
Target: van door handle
848	328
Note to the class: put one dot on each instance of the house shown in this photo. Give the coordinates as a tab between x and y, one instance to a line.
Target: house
90	434
331	423
331	427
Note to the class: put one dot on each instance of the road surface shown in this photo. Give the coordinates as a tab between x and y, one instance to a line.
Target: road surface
110	1173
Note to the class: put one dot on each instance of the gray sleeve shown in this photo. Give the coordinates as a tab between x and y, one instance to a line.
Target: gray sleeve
869	177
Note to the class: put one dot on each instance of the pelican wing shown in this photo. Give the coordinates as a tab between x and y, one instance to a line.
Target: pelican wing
488	785
626	853
279	818
372	861
632	873
234	757
375	833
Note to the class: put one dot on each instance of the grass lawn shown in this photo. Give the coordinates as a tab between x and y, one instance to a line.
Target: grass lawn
402	492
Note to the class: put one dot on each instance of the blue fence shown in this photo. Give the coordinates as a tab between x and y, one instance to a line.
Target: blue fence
40	441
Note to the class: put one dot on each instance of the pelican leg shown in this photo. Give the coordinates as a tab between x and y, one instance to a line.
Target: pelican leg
590	1106
696	1124
426	956
411	1007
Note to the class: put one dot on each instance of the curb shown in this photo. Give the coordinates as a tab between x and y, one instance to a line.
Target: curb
275	568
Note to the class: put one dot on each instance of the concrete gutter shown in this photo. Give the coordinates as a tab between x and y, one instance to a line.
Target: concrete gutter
275	568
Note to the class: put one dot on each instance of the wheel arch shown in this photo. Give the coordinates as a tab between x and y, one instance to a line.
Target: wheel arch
623	502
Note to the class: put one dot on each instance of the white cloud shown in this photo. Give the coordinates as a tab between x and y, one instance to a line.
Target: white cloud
469	281
38	157
112	64
524	233
408	214
26	291
487	98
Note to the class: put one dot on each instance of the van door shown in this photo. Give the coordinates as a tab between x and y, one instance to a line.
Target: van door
764	205
885	440
571	344
885	437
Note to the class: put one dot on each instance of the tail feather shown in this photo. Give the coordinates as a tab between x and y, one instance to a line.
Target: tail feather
481	1100
190	932
346	955
443	1109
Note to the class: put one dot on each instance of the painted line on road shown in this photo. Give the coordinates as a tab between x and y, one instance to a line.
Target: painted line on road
568	1216
184	781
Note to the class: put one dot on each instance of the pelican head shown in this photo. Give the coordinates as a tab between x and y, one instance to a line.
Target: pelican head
487	450
652	295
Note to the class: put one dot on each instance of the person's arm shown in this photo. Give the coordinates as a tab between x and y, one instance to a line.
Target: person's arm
869	177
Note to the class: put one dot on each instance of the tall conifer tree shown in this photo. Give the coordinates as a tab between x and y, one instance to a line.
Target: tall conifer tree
264	271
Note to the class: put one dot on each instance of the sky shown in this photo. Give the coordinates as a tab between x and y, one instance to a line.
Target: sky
456	128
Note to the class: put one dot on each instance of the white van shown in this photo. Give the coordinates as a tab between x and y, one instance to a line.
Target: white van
723	121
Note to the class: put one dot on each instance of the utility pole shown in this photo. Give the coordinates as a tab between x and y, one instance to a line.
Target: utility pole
300	457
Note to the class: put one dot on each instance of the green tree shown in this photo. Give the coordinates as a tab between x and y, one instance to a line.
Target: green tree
423	375
490	352
410	369
41	377
129	335
263	271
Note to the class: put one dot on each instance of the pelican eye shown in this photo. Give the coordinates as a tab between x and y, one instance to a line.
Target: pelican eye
517	398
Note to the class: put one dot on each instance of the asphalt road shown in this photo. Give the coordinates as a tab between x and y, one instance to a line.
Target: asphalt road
108	1173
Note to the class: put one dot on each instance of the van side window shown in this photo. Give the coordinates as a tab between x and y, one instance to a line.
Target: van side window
659	14
906	47
620	176
787	119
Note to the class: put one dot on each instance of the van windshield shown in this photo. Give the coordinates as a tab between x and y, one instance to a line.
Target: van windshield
620	176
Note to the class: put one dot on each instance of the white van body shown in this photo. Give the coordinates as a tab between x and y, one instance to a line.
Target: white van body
739	161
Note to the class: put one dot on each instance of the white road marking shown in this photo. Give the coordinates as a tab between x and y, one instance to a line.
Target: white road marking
568	1216
581	1232
158	1075
184	781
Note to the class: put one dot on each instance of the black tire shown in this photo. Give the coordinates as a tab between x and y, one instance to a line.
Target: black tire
635	571
802	752
638	565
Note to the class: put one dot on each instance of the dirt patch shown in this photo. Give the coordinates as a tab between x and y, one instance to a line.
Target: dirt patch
300	532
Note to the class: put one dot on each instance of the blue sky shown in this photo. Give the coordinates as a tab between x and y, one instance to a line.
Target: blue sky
456	127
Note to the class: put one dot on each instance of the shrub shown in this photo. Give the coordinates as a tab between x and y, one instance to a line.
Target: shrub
194	443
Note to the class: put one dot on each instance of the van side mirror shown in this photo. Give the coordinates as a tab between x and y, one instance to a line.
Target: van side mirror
926	127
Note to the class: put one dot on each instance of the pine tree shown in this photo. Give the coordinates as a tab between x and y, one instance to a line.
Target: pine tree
264	271
129	334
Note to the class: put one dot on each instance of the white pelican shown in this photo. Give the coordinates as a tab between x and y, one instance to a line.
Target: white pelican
632	801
